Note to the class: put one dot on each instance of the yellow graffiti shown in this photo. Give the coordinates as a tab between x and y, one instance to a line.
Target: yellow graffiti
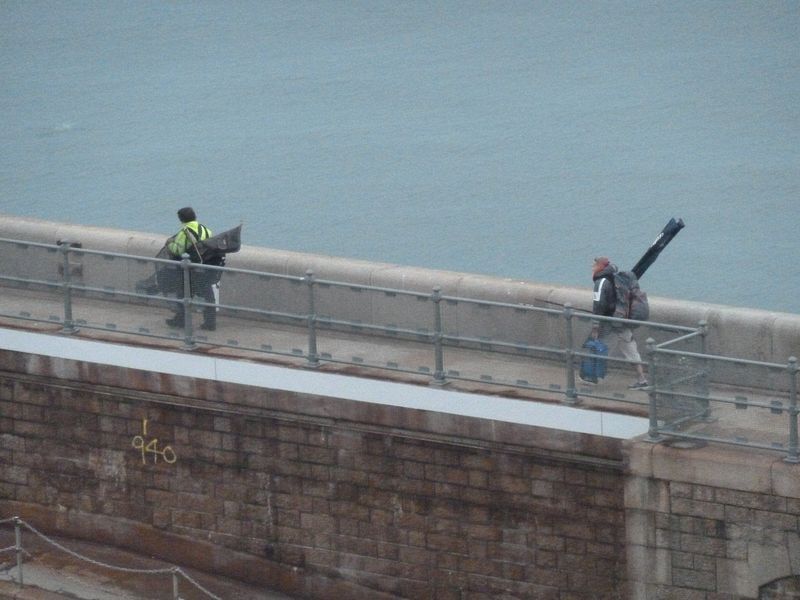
151	447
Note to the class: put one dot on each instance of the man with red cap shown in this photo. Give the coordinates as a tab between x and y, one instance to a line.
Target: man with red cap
616	336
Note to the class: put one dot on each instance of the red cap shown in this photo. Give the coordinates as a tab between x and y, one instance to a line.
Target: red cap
601	261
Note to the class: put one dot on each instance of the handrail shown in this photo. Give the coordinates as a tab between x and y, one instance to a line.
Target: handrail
682	338
666	395
370	288
728	359
431	331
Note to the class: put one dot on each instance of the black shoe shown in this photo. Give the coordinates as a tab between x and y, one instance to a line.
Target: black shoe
209	326
175	322
638	385
590	380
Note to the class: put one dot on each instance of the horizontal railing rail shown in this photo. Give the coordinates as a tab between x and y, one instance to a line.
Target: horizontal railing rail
680	369
682	404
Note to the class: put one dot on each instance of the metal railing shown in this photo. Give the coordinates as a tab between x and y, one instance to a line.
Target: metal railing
273	311
176	573
683	404
442	325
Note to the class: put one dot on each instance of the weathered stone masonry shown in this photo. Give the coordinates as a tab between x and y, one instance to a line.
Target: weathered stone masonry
335	499
326	498
320	497
711	523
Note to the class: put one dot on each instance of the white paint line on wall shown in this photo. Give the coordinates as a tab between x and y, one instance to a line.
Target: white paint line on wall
390	393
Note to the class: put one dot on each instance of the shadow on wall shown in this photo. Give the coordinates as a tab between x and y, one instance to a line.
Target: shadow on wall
781	589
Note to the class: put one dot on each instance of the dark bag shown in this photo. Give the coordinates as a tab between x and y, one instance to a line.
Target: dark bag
594	367
213	275
214	248
166	279
632	301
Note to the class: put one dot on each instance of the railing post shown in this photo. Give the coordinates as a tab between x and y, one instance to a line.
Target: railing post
793	450
69	325
313	357
18	548
175	585
653	434
438	335
188	331
704	374
572	393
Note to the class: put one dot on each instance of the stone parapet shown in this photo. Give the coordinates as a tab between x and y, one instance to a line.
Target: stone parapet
735	332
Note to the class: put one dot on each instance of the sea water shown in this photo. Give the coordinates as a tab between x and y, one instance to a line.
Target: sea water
516	139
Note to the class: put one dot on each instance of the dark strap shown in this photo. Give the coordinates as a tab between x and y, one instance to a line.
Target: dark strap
201	234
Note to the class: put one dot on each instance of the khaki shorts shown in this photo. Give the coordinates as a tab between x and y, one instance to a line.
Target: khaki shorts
620	342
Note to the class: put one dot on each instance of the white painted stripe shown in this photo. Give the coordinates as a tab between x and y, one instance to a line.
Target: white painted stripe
184	364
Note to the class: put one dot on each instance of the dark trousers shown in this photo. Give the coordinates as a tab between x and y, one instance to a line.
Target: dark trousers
202	284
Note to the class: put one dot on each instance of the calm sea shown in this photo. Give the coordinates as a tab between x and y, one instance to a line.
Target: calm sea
517	139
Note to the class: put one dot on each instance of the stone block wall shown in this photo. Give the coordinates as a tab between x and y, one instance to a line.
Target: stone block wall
314	496
711	523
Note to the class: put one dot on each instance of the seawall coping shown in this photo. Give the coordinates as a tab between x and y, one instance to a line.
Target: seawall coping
738	332
742	469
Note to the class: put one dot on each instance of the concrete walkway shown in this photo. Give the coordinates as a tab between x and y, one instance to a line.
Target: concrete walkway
356	353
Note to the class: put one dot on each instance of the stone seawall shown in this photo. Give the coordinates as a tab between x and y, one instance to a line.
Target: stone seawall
316	496
709	523
734	332
324	497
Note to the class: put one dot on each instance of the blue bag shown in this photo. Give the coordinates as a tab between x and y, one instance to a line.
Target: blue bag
594	367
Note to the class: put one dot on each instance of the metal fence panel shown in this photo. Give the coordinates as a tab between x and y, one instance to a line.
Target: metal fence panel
692	405
31	278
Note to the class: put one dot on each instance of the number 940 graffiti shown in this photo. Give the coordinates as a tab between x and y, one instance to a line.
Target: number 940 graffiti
140	442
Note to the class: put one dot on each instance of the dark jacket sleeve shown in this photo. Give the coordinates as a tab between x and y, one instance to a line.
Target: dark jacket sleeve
604	300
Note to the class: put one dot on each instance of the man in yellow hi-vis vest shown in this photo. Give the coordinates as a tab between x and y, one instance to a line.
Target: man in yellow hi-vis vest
202	281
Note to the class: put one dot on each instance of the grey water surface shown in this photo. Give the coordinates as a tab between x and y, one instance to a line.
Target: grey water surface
516	139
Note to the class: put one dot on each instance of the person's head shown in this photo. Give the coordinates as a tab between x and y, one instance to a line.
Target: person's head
186	214
600	263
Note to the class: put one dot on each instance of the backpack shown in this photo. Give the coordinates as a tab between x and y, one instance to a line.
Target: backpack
631	299
194	240
212	250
